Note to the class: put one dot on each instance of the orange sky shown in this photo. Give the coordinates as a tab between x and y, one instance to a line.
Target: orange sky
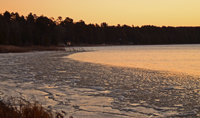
130	12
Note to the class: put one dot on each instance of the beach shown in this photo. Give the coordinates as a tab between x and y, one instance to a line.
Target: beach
82	89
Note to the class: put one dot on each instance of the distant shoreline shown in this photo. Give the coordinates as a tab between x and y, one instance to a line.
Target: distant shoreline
20	49
17	49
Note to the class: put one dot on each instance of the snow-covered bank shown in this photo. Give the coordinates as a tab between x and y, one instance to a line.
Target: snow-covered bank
92	90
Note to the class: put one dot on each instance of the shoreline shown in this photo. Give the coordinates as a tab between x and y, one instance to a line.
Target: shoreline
88	90
22	49
18	49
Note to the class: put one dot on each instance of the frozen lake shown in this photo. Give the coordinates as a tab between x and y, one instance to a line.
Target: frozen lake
176	58
88	90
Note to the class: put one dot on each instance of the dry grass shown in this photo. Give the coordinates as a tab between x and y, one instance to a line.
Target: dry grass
27	110
15	49
22	109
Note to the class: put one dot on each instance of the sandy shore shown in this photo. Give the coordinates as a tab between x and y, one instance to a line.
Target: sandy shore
93	90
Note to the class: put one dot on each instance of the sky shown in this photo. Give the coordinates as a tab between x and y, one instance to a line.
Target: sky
113	12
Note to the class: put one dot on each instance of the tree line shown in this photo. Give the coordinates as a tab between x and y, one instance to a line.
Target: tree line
41	30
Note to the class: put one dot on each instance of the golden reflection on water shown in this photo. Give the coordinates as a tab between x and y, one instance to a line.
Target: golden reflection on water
184	59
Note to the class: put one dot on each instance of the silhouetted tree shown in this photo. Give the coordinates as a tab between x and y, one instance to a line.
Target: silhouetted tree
34	30
80	32
69	26
2	30
7	16
30	18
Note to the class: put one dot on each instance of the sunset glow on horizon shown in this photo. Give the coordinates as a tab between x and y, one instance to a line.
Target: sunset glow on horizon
113	12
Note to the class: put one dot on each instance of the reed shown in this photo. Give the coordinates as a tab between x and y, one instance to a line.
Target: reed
22	109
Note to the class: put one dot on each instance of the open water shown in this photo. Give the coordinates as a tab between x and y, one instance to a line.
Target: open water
176	58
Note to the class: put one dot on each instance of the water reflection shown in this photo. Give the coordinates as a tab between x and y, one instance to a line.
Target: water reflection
177	58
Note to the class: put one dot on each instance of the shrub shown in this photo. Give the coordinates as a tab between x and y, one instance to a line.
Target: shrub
23	110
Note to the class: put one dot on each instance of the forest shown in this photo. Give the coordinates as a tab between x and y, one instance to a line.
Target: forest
43	31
